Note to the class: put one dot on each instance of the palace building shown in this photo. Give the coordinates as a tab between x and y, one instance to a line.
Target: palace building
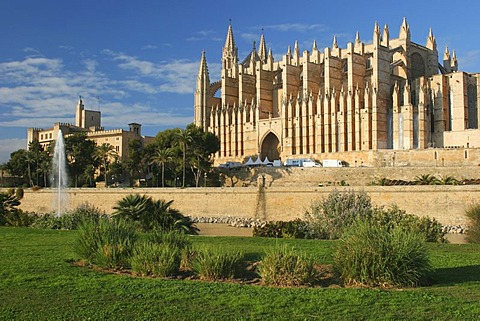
388	94
89	122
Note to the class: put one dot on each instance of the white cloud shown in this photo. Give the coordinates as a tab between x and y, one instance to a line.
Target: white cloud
295	27
40	91
149	47
250	36
469	60
176	76
9	145
90	65
205	35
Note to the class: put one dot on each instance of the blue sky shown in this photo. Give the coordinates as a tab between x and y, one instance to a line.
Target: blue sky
136	61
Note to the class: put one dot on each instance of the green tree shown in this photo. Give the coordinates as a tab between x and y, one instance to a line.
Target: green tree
161	158
18	164
203	146
80	153
104	154
36	157
426	179
184	138
89	174
134	161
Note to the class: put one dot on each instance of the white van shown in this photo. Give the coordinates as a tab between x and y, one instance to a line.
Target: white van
332	163
302	162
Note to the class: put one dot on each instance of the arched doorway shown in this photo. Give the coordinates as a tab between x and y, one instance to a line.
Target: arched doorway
270	147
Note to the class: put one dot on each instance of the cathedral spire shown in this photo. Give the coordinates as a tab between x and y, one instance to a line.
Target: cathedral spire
229	41
334	44
296	54
314	48
386	37
431	42
404	30
253	55
295	48
262	49
357	38
230	51
446	54
203	66
270	59
376	34
454	63
201	115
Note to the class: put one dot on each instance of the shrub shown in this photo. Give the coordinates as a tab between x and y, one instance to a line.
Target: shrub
170	238
282	266
87	241
296	229
8	207
212	263
473	215
329	217
371	254
107	243
149	214
19	192
20	218
448	180
155	259
394	217
426	179
71	220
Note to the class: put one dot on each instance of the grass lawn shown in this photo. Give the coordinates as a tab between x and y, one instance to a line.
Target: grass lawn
37	282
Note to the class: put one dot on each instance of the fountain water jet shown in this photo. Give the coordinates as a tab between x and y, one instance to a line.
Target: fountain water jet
59	176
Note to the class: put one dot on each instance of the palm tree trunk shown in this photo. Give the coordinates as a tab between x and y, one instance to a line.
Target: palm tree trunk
163	175
184	163
105	172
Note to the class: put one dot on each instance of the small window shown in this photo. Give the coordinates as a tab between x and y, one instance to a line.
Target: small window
117	148
41	137
50	136
117	138
466	154
436	156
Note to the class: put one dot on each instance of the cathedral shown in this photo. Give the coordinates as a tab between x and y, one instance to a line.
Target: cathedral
387	94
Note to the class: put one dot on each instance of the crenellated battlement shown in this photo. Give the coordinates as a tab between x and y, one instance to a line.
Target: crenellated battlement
105	132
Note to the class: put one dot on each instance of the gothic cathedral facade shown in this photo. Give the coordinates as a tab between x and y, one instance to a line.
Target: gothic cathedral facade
387	94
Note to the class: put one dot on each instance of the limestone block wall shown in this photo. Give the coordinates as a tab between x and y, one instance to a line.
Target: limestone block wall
446	203
312	177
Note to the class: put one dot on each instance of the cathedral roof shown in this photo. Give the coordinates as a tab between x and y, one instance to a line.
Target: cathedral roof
246	61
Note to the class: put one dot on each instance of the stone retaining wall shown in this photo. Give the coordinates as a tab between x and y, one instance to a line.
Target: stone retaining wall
353	176
446	203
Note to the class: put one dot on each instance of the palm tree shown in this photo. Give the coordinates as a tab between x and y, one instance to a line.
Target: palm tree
133	207
448	180
426	179
8	204
160	158
103	153
184	138
45	167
